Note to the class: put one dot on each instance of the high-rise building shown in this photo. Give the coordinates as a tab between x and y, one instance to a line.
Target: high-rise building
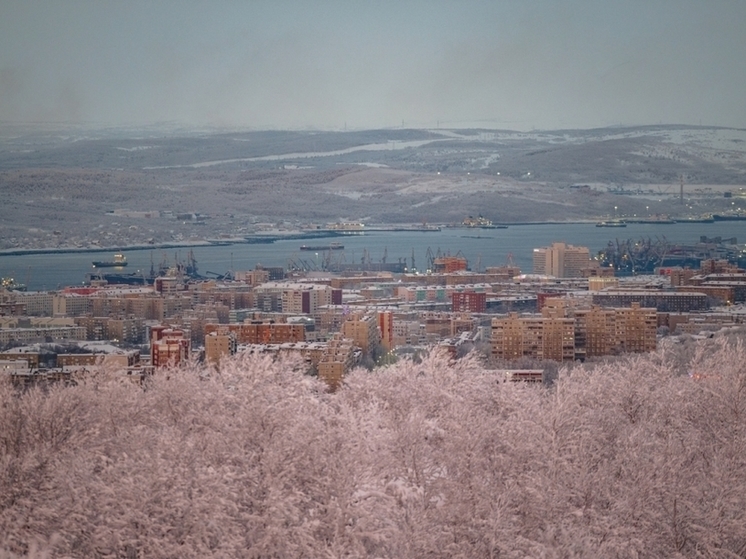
561	260
544	337
636	328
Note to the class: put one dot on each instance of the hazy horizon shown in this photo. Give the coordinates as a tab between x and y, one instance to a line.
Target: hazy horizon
353	65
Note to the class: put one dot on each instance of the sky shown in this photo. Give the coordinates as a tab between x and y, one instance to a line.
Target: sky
324	64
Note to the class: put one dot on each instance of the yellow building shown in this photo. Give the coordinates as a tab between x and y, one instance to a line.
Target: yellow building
362	329
544	337
561	260
338	358
219	344
636	328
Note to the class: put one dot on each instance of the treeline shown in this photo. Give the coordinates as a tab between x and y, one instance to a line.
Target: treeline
432	459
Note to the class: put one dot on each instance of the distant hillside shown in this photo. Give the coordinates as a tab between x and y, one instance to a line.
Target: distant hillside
67	180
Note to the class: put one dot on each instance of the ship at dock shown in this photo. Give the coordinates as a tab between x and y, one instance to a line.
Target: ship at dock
183	270
480	222
321	248
119	261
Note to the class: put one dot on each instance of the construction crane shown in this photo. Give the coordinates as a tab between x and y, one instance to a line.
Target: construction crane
430	257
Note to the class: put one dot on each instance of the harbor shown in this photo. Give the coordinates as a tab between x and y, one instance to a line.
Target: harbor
48	271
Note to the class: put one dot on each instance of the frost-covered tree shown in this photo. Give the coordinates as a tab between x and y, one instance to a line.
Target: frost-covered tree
437	458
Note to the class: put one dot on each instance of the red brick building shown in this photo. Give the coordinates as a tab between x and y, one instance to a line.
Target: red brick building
469	301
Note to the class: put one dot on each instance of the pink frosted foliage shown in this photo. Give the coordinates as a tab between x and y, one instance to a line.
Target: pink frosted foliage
435	459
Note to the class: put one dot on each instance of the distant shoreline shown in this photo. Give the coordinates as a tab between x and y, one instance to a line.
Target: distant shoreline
258	239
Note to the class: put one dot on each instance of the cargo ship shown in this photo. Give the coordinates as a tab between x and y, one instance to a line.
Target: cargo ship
481	223
729	217
320	248
118	262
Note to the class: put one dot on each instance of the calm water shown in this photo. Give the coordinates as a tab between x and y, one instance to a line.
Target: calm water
50	271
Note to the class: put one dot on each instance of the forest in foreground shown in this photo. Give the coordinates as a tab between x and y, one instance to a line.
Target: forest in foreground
436	459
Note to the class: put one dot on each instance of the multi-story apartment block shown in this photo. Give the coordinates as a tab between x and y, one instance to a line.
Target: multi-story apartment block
663	301
362	329
594	332
169	347
565	333
545	337
38	303
386	327
130	330
71	304
262	332
30	335
252	277
120	358
175	305
635	329
599	283
449	264
561	260
408	332
298	298
469	301
220	343
338	358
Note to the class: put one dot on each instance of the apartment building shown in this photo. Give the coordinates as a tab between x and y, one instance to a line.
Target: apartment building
469	301
449	264
336	361
71	304
219	344
599	283
565	333
297	297
362	329
386	328
257	332
130	330
118	359
169	347
595	332
542	337
636	328
604	331
663	301
38	303
29	335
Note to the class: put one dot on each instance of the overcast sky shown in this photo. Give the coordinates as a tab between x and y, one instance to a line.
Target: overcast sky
289	64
